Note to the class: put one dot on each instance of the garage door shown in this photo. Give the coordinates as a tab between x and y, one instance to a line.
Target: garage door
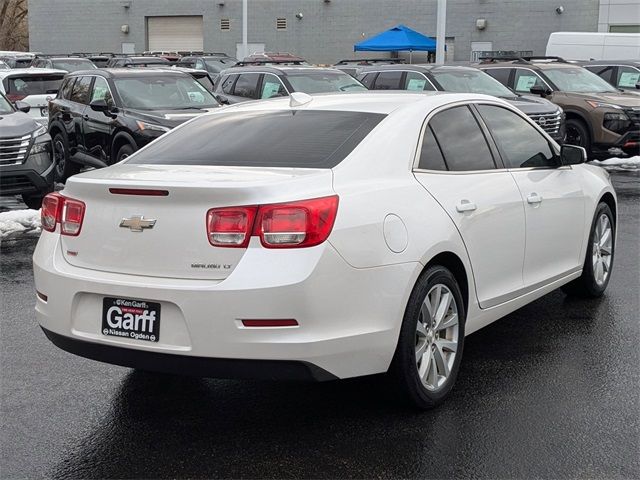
174	33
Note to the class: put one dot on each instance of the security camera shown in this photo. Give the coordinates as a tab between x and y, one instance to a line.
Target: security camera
559	9
299	15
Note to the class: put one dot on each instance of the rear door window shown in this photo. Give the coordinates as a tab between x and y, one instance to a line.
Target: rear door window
367	80
25	85
247	85
289	138
604	72
388	81
500	74
461	140
227	83
65	91
431	157
81	89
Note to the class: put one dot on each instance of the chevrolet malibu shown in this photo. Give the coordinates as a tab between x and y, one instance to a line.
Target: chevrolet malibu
322	238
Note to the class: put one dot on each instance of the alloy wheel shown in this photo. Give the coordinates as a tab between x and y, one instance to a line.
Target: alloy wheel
602	249
436	337
574	136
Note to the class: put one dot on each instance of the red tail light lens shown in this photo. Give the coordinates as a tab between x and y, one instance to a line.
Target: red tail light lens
14	97
230	227
72	217
68	212
50	212
297	224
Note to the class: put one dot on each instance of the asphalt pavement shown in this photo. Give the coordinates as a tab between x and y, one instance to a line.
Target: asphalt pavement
551	391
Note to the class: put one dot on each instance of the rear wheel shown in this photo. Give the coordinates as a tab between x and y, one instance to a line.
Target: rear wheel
429	351
124	152
598	262
64	167
578	134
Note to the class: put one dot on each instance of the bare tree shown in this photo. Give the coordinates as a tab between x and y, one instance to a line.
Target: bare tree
14	29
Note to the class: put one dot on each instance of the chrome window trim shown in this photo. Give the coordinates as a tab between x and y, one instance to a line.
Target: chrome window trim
425	123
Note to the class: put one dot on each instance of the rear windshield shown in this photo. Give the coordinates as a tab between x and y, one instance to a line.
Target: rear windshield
44	84
302	139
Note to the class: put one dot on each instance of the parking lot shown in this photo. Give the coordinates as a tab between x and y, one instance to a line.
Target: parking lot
549	391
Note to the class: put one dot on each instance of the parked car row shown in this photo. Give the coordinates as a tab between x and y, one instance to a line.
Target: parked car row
97	117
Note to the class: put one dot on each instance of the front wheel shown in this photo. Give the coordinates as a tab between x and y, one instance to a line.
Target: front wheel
598	262
429	351
577	133
64	167
124	152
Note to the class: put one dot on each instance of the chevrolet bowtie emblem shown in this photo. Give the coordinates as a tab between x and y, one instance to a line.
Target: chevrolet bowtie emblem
137	223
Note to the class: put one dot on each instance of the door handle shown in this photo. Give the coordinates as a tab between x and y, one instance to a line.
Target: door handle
465	206
85	117
534	198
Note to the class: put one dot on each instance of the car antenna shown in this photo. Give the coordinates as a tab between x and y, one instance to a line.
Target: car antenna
297	99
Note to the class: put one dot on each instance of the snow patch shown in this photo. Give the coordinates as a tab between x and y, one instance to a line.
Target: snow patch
619	164
16	223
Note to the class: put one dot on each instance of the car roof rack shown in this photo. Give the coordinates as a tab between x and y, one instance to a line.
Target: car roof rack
202	54
368	61
529	59
271	58
59	55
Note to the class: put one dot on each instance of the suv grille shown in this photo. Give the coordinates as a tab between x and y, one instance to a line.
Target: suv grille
550	122
634	115
14	150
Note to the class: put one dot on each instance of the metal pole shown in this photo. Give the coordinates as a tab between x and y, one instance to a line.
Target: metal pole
245	46
441	25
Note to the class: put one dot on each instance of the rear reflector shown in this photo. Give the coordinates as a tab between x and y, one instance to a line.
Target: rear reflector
287	322
68	212
139	191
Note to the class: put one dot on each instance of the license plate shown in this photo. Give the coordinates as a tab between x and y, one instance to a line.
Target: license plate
128	318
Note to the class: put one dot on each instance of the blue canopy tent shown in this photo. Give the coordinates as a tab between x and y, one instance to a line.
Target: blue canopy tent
396	39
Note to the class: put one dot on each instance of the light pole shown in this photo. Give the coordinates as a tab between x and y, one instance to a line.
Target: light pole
441	25
245	45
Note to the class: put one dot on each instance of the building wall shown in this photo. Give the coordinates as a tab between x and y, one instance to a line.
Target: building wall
619	16
326	32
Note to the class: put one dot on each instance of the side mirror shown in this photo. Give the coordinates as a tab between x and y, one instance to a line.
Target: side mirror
222	99
100	106
23	106
572	155
638	85
540	90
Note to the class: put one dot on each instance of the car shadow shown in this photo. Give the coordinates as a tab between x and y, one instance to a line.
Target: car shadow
161	426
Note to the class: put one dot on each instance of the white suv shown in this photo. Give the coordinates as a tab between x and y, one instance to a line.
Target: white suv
322	237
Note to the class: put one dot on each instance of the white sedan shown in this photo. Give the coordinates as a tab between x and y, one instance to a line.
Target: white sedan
322	237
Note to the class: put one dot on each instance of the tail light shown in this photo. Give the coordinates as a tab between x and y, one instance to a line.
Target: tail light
284	225
14	97
68	212
230	227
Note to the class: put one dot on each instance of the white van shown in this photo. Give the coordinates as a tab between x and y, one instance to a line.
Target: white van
594	45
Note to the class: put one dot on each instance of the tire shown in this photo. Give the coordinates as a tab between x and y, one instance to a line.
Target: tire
577	133
64	167
598	262
34	202
419	379
124	152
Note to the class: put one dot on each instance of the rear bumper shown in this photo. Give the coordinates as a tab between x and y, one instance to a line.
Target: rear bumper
191	365
349	319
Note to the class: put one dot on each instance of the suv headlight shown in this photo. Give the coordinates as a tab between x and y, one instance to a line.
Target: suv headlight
595	104
39	131
150	126
616	121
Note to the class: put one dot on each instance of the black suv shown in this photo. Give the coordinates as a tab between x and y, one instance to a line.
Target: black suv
67	63
26	167
102	116
240	84
464	80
